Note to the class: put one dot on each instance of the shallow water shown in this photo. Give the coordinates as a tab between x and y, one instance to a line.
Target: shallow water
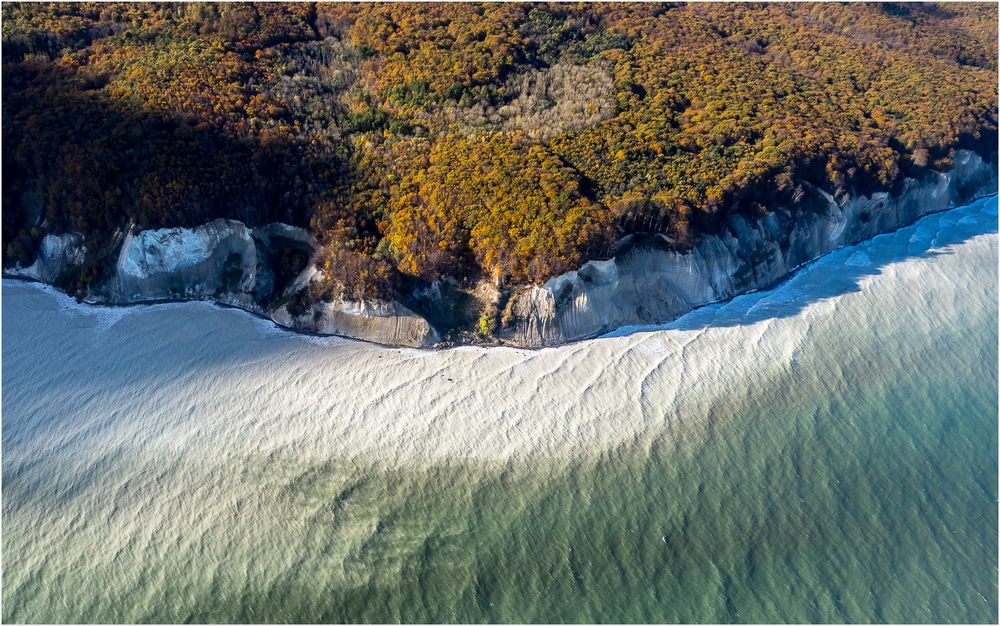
825	451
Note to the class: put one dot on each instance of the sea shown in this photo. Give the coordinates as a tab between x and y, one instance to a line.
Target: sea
824	451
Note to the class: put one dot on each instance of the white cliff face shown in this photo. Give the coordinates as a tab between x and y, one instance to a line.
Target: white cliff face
56	254
227	262
379	321
373	320
224	261
217	260
646	283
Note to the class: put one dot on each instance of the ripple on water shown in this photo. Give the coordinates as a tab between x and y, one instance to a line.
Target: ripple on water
825	451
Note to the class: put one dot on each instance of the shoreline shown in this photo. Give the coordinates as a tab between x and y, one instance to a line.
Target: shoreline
264	444
451	345
365	404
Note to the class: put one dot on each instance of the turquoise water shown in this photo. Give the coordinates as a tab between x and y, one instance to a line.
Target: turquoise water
823	452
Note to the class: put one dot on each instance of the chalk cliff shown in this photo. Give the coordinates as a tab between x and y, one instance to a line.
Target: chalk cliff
56	254
648	283
387	322
217	260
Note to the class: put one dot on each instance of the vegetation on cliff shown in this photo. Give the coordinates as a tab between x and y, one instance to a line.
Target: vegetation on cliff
510	141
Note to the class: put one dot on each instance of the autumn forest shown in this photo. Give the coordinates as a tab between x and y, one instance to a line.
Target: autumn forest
504	141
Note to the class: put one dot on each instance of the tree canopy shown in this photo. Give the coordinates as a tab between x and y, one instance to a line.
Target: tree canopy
510	141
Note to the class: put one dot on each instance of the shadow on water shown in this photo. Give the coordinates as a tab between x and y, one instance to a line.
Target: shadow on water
840	272
232	344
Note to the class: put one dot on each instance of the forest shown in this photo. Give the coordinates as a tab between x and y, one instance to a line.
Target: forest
508	142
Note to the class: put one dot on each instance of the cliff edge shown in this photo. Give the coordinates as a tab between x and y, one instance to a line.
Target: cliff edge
271	270
647	283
